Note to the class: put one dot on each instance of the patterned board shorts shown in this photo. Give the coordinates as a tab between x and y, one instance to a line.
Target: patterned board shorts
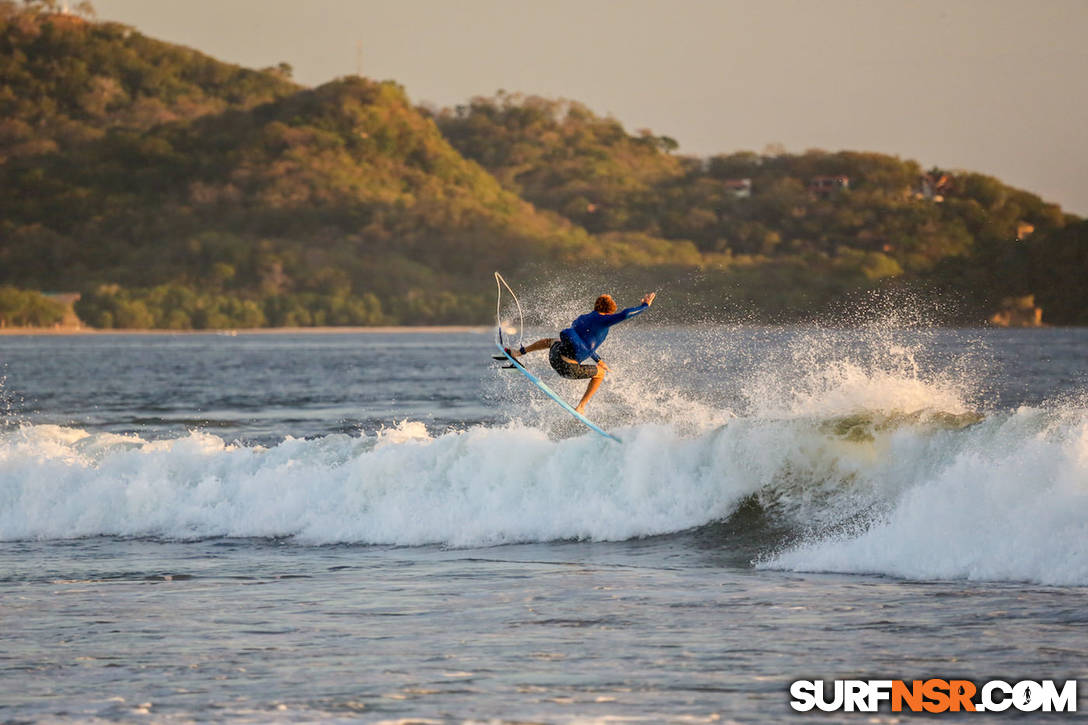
575	371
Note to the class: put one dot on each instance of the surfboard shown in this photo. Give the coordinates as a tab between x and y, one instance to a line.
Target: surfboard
554	396
499	284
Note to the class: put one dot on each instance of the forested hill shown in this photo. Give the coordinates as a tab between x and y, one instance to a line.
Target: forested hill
809	226
66	81
173	190
273	204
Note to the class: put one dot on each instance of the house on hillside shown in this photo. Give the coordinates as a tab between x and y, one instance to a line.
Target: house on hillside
1018	312
933	187
827	185
65	20
740	188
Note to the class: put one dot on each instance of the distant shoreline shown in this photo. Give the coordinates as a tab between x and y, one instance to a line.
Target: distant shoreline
384	329
427	329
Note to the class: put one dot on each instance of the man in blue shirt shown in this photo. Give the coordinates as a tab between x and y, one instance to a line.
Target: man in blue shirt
581	340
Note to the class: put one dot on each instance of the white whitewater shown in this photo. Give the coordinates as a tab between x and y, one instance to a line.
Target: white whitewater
1002	499
870	463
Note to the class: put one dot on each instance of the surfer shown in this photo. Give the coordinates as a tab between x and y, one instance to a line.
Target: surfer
581	340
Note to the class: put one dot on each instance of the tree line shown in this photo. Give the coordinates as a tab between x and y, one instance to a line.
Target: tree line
176	191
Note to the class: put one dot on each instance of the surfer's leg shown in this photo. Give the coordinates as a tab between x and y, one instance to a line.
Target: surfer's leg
542	344
591	390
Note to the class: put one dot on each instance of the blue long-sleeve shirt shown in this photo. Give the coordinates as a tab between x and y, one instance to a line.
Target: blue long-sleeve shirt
587	332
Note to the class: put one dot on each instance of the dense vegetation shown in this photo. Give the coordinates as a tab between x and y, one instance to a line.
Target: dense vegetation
176	191
338	205
778	234
27	308
65	81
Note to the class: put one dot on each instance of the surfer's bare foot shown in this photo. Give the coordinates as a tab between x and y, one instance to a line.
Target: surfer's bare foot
581	410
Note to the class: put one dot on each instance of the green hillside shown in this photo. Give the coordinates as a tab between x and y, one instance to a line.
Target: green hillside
177	191
337	205
64	81
779	232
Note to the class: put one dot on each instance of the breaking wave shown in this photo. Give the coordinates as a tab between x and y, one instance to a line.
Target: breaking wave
945	496
862	461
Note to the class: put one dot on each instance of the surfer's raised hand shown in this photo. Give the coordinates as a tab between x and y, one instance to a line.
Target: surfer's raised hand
649	299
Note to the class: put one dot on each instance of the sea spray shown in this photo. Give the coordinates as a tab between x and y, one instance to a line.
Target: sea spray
696	378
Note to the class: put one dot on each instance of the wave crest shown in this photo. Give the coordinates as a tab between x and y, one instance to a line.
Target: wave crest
918	495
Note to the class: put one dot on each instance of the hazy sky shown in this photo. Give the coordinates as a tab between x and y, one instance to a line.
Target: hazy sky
996	86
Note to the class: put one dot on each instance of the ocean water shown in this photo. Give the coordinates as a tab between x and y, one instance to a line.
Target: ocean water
388	528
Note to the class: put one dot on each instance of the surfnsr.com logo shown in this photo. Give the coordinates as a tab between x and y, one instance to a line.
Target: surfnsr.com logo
933	695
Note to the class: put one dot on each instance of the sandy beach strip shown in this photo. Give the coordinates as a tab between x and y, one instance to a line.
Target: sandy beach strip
426	329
